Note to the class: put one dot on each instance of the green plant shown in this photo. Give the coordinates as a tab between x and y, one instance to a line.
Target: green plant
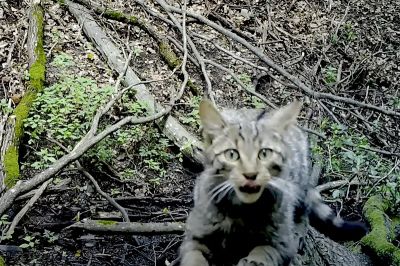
137	50
50	236
330	75
4	108
349	32
395	102
30	242
390	191
63	60
246	79
63	112
4	220
254	101
346	156
192	118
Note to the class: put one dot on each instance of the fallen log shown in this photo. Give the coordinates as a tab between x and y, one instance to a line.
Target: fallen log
187	142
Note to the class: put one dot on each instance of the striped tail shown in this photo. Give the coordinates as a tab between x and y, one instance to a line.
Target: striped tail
325	221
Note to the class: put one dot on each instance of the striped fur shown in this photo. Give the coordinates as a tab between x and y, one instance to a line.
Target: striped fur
253	200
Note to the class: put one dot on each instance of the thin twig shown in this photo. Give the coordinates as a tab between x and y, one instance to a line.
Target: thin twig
25	209
264	69
383	178
96	185
329	112
256	94
101	192
196	53
246	88
279	69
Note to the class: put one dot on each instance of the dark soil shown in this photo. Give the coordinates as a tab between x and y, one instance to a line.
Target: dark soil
360	39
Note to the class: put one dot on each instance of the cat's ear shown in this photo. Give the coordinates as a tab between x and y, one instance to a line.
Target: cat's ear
282	118
210	118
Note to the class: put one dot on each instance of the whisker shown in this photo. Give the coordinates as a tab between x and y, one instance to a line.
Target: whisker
221	188
225	192
217	187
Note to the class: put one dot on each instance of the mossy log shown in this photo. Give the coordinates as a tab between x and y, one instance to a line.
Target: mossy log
379	240
164	48
37	63
171	127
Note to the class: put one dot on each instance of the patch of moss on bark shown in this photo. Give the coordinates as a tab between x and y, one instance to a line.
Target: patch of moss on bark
11	166
2	261
169	55
117	15
378	240
35	85
106	222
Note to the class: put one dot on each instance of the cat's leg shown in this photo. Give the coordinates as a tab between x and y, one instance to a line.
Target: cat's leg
269	256
192	253
193	258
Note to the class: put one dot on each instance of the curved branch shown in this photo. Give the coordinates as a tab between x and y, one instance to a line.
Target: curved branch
279	69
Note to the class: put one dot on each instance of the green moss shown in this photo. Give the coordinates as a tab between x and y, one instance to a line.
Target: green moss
173	61
378	239
2	261
35	85
21	112
169	55
11	166
117	15
106	222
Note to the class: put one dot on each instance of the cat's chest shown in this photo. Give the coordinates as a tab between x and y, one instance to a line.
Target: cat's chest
247	222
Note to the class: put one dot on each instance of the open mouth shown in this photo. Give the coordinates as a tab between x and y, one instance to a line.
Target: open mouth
250	187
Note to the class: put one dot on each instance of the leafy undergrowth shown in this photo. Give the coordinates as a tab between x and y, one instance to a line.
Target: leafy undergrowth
348	157
63	113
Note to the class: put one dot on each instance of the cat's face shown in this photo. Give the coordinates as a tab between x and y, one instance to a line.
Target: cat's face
247	153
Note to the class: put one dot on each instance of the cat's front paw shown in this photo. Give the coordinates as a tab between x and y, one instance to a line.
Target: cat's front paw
194	258
251	261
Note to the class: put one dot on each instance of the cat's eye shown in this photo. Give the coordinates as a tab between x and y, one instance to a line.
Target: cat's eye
232	155
264	154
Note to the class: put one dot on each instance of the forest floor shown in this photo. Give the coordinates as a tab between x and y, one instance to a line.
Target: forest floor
345	48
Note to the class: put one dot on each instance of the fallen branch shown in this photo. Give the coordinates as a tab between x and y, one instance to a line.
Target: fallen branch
25	209
102	193
80	148
91	178
196	53
279	69
189	144
132	227
50	188
336	184
165	49
256	94
91	138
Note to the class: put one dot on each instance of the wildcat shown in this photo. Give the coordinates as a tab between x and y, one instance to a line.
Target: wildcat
253	199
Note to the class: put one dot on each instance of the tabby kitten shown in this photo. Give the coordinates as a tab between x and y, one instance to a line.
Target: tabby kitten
252	201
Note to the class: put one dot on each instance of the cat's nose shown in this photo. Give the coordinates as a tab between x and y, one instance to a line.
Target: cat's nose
250	176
